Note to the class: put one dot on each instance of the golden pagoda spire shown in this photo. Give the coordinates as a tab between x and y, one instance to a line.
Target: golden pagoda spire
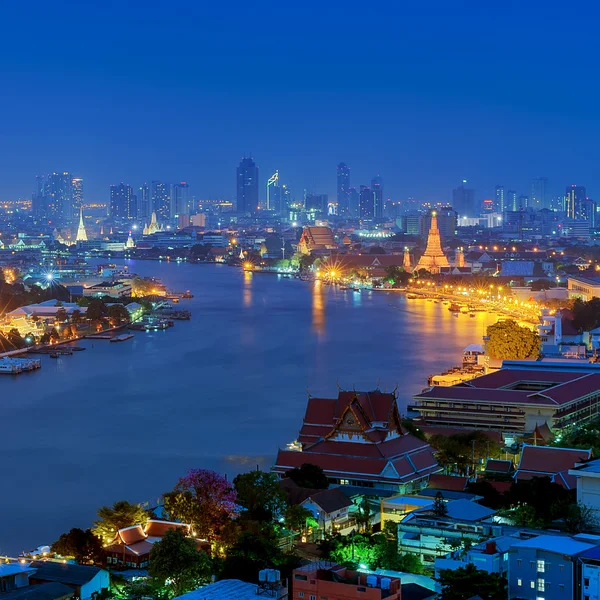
433	258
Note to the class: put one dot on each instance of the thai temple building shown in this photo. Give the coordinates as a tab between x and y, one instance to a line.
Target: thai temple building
81	232
154	226
359	442
129	244
407	262
316	239
434	258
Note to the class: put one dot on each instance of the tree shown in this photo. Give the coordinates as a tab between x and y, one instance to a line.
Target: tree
309	476
204	499
509	341
15	338
83	546
112	518
61	315
469	581
297	517
397	275
363	514
118	314
176	561
411	563
261	496
76	316
586	315
96	310
439	505
581	517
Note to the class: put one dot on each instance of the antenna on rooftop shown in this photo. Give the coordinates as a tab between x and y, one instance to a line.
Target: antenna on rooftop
395	390
308	392
337	382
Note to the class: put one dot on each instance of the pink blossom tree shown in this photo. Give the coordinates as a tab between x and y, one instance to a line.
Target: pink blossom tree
205	500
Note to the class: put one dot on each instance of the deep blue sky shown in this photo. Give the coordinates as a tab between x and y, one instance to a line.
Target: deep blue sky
181	90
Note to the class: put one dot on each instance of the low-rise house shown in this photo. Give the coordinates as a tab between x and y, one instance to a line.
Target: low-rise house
14	575
43	591
84	580
330	507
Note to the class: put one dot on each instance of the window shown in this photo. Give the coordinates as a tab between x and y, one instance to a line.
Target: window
541	585
519	582
532	585
586	581
508	409
532	564
313	598
541	566
561	587
301	577
344	482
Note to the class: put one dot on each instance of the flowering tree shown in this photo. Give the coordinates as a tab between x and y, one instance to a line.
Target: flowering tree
205	500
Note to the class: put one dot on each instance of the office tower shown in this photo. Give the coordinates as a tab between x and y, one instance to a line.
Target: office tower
575	196
247	186
353	203
76	195
511	201
55	197
343	190
523	202
316	203
367	202
377	190
589	212
274	193
161	200
286	200
500	198
123	202
144	202
180	199
538	193
487	206
463	200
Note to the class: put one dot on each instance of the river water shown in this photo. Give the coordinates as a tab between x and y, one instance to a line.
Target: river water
222	391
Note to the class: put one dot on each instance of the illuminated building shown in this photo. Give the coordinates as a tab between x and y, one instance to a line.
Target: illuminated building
488	206
180	200
274	193
53	198
538	192
77	194
433	258
357	440
463	200
123	202
144	202
500	198
377	191
129	244
511	201
367	202
154	226
343	188
161	200
353	203
247	186
316	203
81	233
575	196
316	238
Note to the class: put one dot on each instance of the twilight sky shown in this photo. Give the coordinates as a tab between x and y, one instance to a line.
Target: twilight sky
424	93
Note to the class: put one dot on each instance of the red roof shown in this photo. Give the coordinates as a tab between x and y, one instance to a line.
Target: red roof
584	385
156	528
511	377
131	535
489	396
499	466
449	483
545	460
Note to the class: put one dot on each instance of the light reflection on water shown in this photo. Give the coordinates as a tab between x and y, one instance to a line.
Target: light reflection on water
222	391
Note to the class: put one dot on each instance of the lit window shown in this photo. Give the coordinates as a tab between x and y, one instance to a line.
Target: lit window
532	585
541	566
541	585
519	582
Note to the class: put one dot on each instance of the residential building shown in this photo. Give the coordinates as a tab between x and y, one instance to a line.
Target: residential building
575	197
353	203
500	204
343	190
589	575
14	575
367	203
358	441
316	203
234	589
86	581
463	200
42	591
76	195
546	567
123	202
327	580
511	201
180	200
161	200
329	507
144	202
247	186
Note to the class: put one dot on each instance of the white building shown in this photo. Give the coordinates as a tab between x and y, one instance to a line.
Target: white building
588	484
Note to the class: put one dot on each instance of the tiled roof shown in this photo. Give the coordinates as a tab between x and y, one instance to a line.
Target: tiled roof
67	573
509	377
439	481
544	460
156	528
493	396
131	535
331	500
499	466
140	548
584	385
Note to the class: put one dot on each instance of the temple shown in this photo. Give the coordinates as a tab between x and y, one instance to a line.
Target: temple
316	239
434	258
81	233
358	440
154	226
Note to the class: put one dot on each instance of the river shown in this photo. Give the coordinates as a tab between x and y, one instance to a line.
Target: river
222	391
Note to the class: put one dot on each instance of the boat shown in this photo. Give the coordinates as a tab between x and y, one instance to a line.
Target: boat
54	354
455	308
122	338
411	297
187	294
8	368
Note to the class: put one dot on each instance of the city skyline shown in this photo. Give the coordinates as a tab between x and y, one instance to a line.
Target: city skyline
426	131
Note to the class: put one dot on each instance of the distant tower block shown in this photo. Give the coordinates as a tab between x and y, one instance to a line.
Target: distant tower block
406	263
459	257
434	258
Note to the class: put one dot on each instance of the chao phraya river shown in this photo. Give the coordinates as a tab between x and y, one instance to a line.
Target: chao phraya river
222	391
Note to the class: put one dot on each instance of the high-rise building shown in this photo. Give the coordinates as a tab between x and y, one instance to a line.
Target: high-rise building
463	200
286	200
487	206
377	189
523	202
144	202
367	202
123	202
76	195
500	206
511	201
575	197
343	190
180	199
247	186
161	200
353	203
316	203
274	193
53	198
538	193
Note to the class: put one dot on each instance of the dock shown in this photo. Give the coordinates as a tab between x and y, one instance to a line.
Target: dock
122	338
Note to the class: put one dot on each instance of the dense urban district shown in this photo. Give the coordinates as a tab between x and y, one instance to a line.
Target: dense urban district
488	488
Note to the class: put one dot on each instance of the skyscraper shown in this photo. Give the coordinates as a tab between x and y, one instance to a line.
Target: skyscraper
122	202
367	202
180	199
523	202
511	201
144	202
500	198
353	203
538	193
76	195
247	186
274	193
343	188
161	200
55	191
463	200
377	189
286	200
575	197
316	203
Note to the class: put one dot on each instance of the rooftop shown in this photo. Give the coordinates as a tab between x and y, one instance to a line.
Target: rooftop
68	573
44	591
560	544
226	589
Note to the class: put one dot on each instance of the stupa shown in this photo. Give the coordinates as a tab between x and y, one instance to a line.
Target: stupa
154	227
434	258
81	232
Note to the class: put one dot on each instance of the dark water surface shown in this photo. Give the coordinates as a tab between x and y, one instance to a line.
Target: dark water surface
222	391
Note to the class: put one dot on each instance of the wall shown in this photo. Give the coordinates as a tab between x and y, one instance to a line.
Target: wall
98	583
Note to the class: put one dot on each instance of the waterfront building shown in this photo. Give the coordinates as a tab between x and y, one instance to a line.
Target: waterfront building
463	200
81	232
114	289
516	399
247	186
343	190
358	441
161	199
433	259
316	239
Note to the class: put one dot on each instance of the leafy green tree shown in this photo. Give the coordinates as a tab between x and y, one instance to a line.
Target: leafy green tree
541	500
509	341
309	476
112	518
469	581
176	562
396	275
363	514
83	546
297	517
118	314
61	315
411	563
76	316
96	310
261	496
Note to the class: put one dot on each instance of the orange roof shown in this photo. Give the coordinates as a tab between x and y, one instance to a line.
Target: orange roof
449	483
